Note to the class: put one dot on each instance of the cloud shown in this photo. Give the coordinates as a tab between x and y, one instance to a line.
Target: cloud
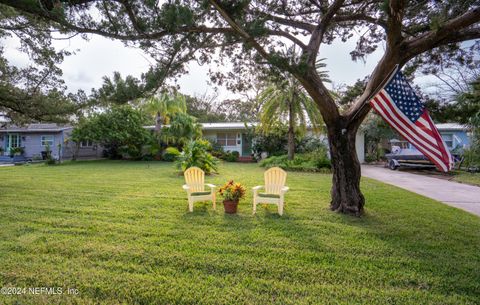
99	56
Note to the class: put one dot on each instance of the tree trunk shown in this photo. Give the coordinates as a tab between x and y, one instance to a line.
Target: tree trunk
291	132
158	127
76	151
346	195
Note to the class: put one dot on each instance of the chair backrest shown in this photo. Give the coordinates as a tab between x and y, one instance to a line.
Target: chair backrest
275	179
195	179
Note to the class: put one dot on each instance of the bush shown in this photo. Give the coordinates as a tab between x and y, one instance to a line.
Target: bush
215	149
170	154
195	153
471	158
230	156
310	144
119	130
316	161
371	158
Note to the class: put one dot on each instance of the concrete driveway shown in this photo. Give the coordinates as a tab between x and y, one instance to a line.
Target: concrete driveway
462	196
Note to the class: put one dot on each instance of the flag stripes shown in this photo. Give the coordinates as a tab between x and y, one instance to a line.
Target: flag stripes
410	139
400	107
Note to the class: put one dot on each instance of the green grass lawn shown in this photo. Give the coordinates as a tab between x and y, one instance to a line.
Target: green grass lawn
119	232
465	177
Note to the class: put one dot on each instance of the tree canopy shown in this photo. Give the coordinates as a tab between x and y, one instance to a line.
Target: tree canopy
35	91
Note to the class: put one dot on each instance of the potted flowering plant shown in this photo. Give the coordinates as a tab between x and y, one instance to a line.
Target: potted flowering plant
232	193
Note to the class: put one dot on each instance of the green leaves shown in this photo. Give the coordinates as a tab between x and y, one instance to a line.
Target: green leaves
195	153
119	129
182	128
173	16
280	100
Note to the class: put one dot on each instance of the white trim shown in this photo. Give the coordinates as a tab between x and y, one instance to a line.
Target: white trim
42	140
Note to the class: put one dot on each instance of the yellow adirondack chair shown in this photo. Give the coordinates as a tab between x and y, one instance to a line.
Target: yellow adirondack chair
275	189
195	187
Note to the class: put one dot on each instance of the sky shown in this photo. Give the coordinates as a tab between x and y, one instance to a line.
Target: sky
98	57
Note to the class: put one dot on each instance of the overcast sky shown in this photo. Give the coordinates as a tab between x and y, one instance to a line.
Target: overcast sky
99	56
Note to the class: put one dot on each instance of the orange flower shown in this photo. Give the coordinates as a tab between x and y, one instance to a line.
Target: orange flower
232	191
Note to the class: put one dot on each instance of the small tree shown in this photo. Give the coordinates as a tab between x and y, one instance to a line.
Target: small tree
287	101
163	106
119	130
182	128
195	153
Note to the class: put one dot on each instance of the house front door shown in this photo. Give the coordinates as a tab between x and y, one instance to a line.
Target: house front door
246	145
13	141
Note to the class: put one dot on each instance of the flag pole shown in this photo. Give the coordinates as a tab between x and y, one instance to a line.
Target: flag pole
386	80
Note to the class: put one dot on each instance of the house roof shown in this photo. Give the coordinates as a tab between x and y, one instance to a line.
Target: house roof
38	127
451	126
226	125
218	126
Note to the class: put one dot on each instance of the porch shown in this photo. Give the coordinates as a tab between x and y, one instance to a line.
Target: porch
14	159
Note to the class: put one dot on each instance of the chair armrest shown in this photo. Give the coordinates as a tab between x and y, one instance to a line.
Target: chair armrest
285	189
210	185
256	189
186	187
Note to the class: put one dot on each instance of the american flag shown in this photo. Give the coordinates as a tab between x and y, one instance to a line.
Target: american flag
398	104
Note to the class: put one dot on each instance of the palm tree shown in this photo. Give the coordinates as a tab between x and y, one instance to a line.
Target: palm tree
287	100
183	128
163	107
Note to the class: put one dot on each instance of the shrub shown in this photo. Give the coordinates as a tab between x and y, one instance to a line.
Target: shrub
230	156
195	153
316	161
309	144
16	151
119	130
471	158
216	149
170	154
370	158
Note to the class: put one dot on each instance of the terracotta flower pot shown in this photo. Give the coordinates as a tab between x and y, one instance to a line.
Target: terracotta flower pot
230	206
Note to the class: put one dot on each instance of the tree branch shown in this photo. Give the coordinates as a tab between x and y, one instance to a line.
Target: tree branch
131	16
394	22
320	29
360	17
450	32
238	29
289	22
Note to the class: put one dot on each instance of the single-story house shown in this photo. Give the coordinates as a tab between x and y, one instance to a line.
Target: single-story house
233	136
456	136
35	138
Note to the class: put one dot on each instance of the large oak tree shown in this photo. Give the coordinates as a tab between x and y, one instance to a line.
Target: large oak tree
35	91
263	34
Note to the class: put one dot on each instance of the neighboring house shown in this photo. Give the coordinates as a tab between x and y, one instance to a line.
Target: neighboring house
35	138
456	136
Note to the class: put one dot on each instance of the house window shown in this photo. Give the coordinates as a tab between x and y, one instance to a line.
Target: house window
86	143
47	140
227	139
448	139
13	140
